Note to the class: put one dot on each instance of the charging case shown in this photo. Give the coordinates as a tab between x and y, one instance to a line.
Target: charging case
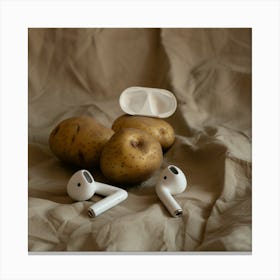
151	102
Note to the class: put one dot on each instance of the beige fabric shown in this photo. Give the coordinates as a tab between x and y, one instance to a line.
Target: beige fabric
83	71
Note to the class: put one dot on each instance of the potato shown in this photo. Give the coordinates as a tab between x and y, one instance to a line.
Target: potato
130	156
158	128
79	141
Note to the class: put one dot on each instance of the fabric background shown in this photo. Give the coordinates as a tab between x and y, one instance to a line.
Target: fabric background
83	71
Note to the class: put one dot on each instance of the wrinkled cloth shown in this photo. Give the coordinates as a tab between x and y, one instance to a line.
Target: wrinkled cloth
74	72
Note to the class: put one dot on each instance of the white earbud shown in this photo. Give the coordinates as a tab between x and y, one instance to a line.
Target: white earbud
82	186
172	181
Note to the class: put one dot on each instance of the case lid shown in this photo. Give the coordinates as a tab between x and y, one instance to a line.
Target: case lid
151	102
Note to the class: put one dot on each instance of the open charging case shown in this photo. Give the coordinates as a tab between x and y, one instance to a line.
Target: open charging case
149	102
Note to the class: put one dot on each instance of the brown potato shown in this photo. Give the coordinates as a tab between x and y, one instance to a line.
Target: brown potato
158	128
79	141
130	156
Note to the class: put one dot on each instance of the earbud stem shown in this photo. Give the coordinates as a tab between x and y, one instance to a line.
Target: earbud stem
170	203
113	197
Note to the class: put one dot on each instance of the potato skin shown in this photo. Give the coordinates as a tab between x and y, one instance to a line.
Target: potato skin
158	128
79	141
131	156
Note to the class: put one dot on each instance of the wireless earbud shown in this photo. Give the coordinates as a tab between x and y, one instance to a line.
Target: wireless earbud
172	181
82	186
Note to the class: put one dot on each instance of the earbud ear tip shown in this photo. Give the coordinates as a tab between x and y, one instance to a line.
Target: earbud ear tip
79	188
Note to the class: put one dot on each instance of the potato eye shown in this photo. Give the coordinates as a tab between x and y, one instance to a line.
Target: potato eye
79	184
164	177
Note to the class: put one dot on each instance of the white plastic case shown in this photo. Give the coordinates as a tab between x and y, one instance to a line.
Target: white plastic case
151	102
